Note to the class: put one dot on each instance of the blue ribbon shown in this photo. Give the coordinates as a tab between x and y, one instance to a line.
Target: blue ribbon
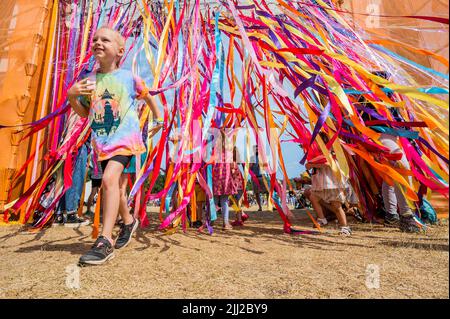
396	132
399	57
169	196
430	90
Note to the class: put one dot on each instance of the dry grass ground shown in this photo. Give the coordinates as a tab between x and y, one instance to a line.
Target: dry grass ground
256	261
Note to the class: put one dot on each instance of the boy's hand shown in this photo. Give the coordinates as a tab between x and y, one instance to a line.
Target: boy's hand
83	87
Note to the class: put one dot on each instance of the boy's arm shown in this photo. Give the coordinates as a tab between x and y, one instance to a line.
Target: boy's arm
80	88
154	108
78	108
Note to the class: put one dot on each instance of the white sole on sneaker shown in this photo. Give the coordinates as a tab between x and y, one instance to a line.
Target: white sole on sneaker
98	262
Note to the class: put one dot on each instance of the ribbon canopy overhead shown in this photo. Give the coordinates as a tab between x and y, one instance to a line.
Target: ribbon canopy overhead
272	69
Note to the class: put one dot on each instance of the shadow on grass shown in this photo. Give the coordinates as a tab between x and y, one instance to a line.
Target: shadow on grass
262	227
74	248
256	229
416	245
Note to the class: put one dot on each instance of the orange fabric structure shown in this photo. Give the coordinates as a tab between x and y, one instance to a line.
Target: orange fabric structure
416	33
24	30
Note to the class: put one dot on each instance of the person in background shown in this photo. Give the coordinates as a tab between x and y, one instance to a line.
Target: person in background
241	217
67	212
256	170
96	183
398	212
330	189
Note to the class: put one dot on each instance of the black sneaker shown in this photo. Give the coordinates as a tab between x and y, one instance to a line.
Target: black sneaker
101	251
74	221
126	231
89	214
391	220
409	225
197	224
59	220
38	218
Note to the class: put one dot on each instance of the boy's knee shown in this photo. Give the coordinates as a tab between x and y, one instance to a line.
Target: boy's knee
109	180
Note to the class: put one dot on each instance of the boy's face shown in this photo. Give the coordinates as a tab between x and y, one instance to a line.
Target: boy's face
106	47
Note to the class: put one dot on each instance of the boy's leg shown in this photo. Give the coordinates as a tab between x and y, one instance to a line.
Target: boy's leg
130	224
124	210
103	248
111	196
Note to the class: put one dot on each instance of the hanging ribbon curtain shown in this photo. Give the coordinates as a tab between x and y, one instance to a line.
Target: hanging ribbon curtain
299	70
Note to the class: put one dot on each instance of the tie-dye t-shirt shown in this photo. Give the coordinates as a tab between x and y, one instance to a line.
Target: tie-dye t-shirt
113	114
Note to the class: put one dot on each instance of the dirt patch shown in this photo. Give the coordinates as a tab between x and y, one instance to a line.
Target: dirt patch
254	261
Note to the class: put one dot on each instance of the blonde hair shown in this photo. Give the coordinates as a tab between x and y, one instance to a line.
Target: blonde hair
120	40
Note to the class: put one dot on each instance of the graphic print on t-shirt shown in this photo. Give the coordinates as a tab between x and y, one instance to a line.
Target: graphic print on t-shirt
106	115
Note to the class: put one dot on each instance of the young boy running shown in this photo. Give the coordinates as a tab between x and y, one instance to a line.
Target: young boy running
109	98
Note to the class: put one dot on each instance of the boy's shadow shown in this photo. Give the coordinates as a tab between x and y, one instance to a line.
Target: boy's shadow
78	248
83	244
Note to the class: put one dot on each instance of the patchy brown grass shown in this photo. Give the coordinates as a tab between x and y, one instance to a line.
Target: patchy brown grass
256	261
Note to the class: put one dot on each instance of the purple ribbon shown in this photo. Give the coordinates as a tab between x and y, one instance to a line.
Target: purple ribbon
306	84
320	122
424	142
371	112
